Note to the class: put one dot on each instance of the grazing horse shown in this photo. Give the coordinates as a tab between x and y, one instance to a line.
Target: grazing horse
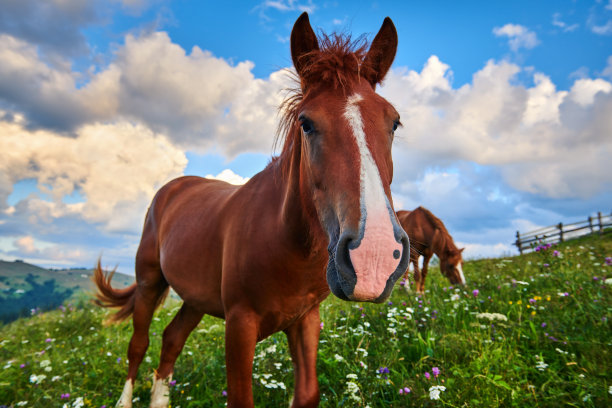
429	236
264	255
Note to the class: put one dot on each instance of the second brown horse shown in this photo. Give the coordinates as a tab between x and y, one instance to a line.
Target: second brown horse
264	255
428	236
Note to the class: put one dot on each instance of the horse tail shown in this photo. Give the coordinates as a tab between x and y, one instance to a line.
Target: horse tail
107	296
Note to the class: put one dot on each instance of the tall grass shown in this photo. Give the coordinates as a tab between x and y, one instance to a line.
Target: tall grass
530	331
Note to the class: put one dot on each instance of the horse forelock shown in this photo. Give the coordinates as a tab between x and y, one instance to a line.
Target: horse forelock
336	65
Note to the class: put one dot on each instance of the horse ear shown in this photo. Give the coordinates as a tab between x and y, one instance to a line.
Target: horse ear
461	249
382	52
303	42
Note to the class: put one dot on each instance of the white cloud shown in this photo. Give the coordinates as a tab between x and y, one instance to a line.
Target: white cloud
557	22
542	140
288	5
229	176
518	36
605	29
199	100
607	72
116	167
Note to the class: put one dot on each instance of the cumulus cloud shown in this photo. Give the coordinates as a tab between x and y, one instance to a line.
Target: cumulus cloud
55	25
518	36
115	167
200	100
229	176
542	140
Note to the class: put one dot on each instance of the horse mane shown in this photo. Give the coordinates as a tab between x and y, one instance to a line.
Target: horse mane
447	240
337	64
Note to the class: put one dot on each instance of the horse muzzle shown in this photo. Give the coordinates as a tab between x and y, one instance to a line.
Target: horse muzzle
364	266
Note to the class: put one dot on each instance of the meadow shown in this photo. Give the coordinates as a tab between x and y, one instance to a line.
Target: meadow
528	331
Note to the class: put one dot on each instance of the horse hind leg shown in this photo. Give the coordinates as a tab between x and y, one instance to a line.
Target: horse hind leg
174	339
147	298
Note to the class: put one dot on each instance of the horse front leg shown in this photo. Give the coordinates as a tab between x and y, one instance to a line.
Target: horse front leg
303	338
421	287
240	339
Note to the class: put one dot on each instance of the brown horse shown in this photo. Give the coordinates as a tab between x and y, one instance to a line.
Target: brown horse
429	236
264	255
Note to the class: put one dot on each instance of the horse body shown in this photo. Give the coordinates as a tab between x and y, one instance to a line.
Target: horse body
429	236
264	255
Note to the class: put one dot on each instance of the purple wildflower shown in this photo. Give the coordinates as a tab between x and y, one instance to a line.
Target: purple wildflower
475	292
383	370
427	375
543	324
224	393
65	396
435	371
172	383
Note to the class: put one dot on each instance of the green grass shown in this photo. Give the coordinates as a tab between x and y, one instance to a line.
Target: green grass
553	349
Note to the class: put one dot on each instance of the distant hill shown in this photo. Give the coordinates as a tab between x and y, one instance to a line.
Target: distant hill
24	287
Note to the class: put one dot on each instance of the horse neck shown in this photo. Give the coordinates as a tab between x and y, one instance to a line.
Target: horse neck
442	243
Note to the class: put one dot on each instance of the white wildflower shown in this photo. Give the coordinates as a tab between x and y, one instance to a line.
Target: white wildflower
338	357
608	281
352	389
78	403
522	282
37	379
541	365
455	297
352	376
492	316
22	403
434	391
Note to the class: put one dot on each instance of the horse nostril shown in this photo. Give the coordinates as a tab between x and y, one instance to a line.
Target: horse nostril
396	254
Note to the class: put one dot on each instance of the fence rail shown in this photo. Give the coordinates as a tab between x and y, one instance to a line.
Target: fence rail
561	232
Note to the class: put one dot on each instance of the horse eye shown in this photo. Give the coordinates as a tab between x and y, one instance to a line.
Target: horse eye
307	126
396	123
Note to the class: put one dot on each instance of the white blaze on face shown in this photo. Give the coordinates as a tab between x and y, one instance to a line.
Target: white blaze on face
125	401
460	269
373	260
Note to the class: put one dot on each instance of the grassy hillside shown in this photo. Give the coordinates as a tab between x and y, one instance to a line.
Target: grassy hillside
25	288
530	331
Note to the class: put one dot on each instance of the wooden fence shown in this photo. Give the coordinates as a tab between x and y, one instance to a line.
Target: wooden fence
560	232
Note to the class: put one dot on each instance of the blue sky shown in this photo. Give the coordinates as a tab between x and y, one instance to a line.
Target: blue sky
506	109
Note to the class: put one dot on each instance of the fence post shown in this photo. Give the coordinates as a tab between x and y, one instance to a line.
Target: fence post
600	223
560	226
591	223
518	242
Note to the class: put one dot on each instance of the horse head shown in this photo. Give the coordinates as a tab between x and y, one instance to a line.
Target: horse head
451	266
344	131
